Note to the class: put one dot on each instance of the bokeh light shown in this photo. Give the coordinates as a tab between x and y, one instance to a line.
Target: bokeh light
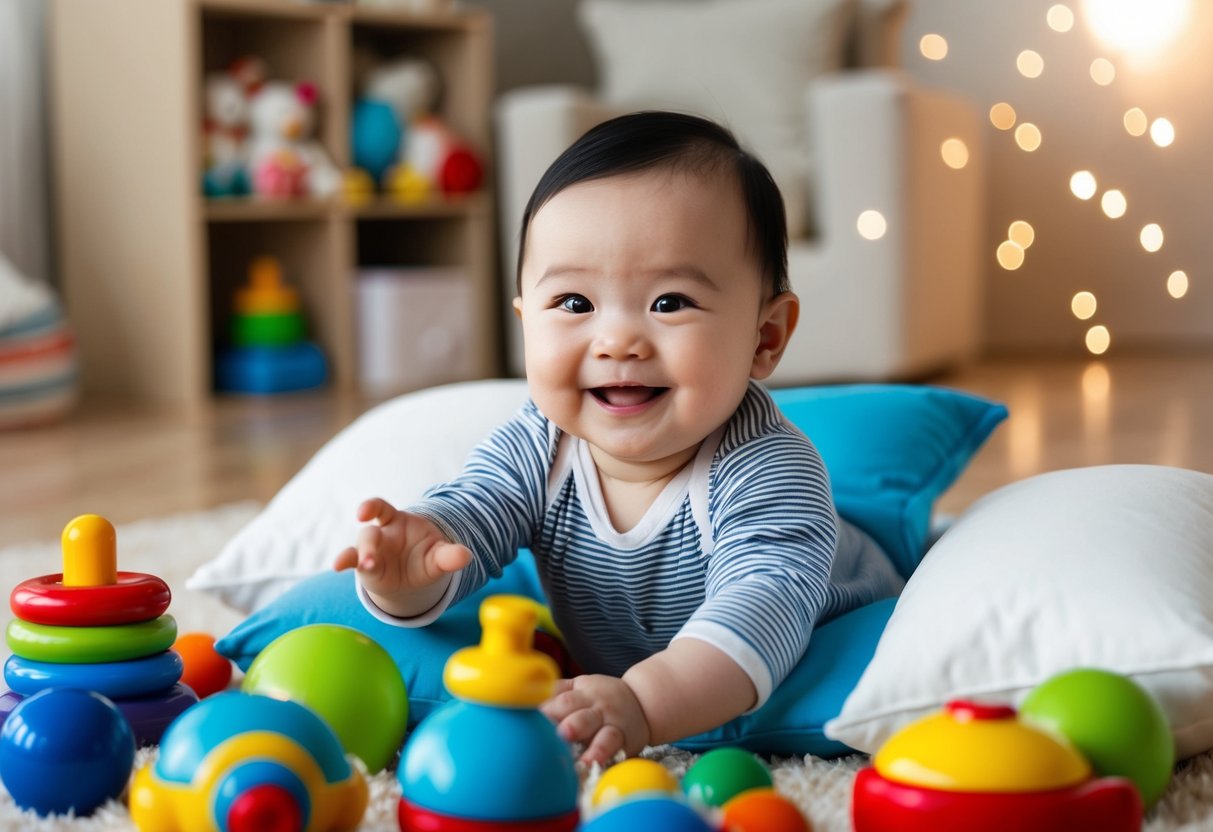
955	153
1022	234
1082	184
1177	284
1138	26
1083	305
1060	18
872	225
933	47
1102	71
1114	204
1136	121
1162	132
1151	237
1002	115
1010	255
1098	339
1030	64
1027	136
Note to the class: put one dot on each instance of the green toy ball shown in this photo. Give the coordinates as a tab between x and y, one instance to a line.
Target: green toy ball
724	773
346	678
1113	721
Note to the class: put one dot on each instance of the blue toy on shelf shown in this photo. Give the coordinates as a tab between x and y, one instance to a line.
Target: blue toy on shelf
269	353
522	778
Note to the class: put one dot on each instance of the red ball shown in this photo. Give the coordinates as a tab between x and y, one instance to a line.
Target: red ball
205	670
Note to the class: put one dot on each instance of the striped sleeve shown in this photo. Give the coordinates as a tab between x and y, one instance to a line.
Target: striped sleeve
775	531
492	507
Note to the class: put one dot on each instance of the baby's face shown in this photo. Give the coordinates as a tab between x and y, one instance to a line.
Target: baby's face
641	307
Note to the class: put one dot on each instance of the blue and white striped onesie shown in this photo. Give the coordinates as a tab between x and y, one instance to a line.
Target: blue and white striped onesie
743	549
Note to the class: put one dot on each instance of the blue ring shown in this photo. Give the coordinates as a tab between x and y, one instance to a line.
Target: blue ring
256	772
117	680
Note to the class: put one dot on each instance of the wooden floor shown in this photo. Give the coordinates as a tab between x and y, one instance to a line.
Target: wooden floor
128	463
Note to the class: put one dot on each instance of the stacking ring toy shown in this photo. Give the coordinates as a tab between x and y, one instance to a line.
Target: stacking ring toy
81	645
135	597
149	716
116	680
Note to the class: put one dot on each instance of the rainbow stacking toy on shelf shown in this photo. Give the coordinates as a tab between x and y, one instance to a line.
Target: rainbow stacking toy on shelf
95	628
269	352
490	761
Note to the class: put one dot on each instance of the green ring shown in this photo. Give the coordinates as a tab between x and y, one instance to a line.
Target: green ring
267	329
81	645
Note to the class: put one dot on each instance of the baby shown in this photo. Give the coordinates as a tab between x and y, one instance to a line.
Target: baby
684	531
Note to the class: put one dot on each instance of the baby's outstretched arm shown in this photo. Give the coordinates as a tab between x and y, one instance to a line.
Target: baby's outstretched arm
404	561
687	688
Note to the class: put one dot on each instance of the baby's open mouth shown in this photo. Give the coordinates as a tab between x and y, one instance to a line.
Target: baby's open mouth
627	396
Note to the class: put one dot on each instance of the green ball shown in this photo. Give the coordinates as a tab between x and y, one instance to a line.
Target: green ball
346	678
724	773
1113	721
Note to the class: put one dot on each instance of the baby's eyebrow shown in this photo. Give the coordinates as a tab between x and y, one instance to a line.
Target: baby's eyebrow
687	271
559	270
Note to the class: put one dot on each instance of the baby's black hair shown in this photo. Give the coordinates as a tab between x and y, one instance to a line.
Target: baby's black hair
656	139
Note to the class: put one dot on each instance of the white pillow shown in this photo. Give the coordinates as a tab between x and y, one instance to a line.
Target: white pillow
744	63
312	517
1108	567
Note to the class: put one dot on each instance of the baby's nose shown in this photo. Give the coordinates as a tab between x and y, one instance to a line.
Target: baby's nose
622	339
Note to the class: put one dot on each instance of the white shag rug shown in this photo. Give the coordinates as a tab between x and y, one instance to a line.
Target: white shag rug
172	547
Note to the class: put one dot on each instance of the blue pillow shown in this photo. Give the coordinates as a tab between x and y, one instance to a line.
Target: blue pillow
891	450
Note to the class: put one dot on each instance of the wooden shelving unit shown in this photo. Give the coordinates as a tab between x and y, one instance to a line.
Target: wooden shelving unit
149	265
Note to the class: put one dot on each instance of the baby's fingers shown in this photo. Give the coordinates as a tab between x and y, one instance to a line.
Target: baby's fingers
346	559
581	725
369	538
607	743
376	510
451	557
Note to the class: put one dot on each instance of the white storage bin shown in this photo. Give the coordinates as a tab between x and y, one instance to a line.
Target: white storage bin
414	328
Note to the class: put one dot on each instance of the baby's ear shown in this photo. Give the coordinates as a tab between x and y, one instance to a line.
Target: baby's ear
775	327
518	307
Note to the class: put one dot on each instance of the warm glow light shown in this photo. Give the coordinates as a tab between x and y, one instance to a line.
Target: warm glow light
1098	339
1030	64
1002	115
1162	132
1136	121
1177	284
1027	136
933	47
1060	18
1010	255
1137	25
1151	237
1114	204
955	153
1022	234
1096	382
871	225
1083	305
1082	184
1102	71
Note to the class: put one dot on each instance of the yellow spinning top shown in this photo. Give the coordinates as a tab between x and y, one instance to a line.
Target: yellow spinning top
504	670
90	552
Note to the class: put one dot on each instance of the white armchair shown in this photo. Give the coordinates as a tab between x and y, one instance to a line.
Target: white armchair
900	306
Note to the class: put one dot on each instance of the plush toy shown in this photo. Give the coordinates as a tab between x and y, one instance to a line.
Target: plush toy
284	161
225	127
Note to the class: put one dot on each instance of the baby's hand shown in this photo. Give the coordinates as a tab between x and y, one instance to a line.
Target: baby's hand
600	711
399	552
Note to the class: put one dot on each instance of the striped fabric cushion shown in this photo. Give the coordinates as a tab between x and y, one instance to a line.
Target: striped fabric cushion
37	368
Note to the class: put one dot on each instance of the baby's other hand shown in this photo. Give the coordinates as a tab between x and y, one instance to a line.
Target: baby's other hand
600	711
398	551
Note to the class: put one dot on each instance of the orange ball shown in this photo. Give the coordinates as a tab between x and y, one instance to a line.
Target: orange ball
762	810
205	670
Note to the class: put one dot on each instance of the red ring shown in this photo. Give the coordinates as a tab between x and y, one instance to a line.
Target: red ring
136	597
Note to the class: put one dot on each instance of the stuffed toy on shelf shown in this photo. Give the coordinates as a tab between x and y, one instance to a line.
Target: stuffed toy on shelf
225	127
284	160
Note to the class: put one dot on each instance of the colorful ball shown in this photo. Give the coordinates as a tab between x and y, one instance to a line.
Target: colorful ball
1113	721
722	774
662	813
762	810
346	678
632	777
205	670
65	749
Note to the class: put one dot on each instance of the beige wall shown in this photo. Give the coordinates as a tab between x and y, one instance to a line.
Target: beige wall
1077	247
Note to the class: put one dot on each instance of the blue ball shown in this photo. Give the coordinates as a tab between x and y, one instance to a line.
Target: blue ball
649	813
375	135
65	749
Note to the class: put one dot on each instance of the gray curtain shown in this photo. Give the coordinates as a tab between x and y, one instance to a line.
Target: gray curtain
24	191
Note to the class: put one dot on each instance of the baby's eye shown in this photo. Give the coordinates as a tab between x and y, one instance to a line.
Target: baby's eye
577	304
671	303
